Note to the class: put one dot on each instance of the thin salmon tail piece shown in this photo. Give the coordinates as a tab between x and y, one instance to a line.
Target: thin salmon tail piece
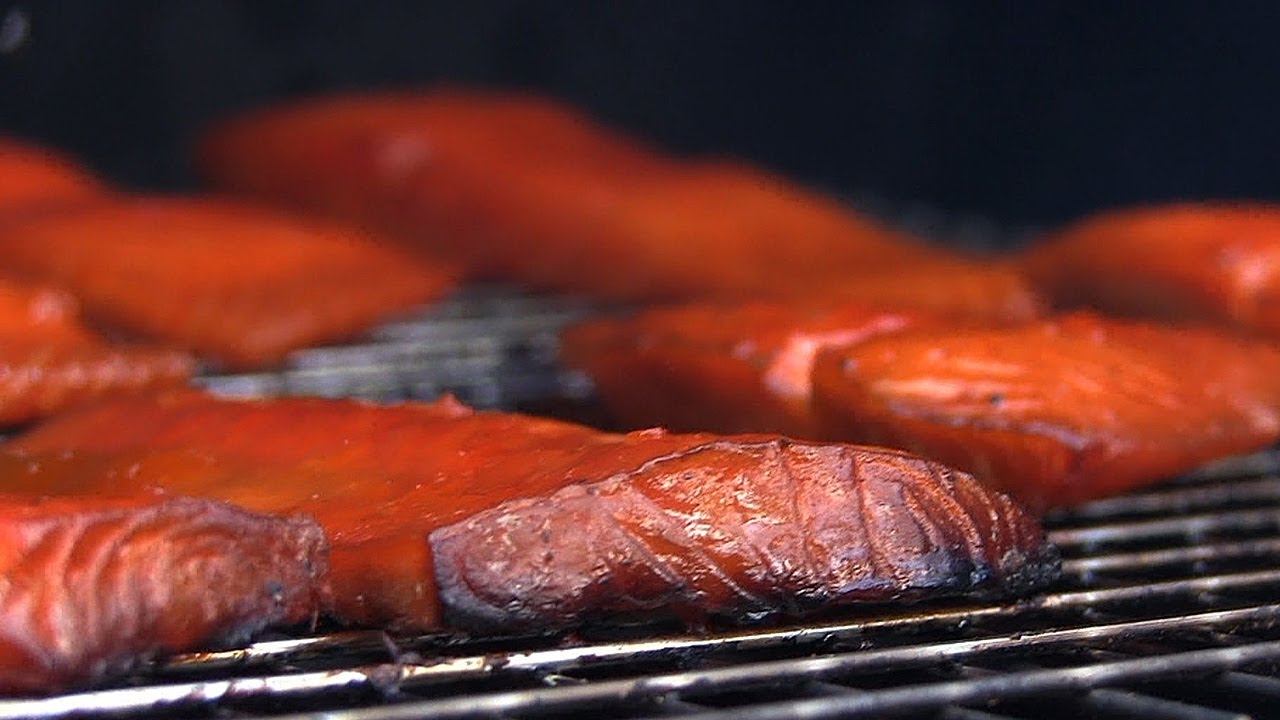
91	586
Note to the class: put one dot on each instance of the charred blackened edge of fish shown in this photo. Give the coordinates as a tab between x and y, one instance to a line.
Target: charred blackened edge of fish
465	609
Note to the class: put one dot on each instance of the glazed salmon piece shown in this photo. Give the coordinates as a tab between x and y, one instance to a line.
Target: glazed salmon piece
1058	411
1217	263
50	361
964	290
92	585
524	189
32	177
720	367
419	501
238	284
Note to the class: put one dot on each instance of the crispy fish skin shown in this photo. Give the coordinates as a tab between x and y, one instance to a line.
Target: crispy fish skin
90	585
1060	411
33	177
50	361
236	283
1207	262
720	367
382	480
521	188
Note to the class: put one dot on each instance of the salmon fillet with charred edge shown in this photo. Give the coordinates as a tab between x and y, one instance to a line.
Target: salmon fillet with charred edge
91	585
34	177
49	361
441	515
1208	262
1057	412
520	188
720	367
242	285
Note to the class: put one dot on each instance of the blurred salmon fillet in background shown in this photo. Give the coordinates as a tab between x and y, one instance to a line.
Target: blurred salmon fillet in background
720	367
521	188
1212	262
232	282
32	176
1059	411
50	361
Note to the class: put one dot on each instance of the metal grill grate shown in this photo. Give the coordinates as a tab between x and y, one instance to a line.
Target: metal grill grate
1169	608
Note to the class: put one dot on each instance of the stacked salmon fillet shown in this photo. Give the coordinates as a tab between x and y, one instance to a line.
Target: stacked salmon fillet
803	328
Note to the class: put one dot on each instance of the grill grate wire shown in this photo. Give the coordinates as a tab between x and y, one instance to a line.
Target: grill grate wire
1169	606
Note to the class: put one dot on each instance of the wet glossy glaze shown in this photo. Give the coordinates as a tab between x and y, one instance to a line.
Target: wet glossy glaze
1057	412
92	585
241	285
520	188
381	479
719	367
1209	262
50	361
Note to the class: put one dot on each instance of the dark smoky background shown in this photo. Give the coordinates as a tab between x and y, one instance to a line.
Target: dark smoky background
1023	113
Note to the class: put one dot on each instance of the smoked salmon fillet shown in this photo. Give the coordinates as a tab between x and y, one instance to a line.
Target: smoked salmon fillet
1058	411
241	285
720	367
49	361
35	177
1206	262
960	289
439	515
92	585
521	188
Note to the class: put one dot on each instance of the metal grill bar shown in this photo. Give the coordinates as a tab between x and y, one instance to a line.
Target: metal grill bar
386	676
1190	525
1047	683
1121	702
1268	547
1180	500
560	660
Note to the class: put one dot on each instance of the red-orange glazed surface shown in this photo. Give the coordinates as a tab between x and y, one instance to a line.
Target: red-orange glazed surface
1198	262
524	189
36	177
89	586
50	361
419	501
1057	412
720	367
960	289
238	284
